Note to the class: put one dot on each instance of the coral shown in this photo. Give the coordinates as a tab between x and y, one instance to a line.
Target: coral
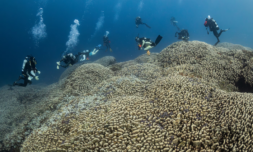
85	77
152	58
119	86
24	110
213	64
145	71
182	99
232	46
115	67
174	113
70	69
105	61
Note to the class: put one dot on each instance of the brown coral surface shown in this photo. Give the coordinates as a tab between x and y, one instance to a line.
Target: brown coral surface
185	98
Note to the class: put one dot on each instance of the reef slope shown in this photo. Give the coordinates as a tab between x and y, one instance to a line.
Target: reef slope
187	97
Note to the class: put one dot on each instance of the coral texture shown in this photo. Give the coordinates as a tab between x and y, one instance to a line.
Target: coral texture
185	98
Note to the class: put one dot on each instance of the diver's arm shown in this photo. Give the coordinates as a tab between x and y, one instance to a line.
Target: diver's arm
81	53
207	30
63	58
66	65
31	73
149	47
24	63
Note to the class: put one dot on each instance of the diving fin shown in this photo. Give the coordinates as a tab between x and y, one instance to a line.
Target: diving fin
147	25
216	43
110	50
158	39
225	30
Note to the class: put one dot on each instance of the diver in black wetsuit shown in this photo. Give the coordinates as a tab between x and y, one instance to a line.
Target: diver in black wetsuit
174	22
183	35
213	26
107	43
71	59
29	71
146	43
138	21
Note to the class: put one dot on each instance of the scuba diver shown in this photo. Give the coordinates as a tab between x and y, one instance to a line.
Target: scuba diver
146	43
107	43
174	22
183	35
213	26
138	21
29	71
71	59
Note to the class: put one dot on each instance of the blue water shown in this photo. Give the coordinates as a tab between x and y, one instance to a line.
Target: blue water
18	18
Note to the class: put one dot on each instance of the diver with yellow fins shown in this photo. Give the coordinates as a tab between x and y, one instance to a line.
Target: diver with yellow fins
146	43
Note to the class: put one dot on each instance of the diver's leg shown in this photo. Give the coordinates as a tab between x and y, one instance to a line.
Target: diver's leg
19	78
23	84
147	25
148	47
215	33
217	41
110	47
177	28
26	82
29	81
220	32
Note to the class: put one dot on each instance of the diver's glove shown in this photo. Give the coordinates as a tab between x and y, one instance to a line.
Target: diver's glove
57	67
58	63
36	78
39	72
